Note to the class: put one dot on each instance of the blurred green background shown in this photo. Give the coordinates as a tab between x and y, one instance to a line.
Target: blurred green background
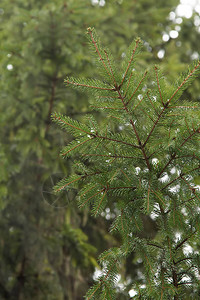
48	247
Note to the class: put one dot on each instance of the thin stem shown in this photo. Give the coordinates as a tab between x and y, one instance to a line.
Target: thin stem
138	104
130	61
73	126
167	164
178	177
89	86
105	107
134	128
122	187
128	84
184	81
185	240
196	131
147	114
137	88
156	69
118	141
191	188
95	135
62	187
152	244
81	177
98	52
181	177
158	197
65	153
183	259
152	103
167	103
111	70
105	192
154	125
92	197
112	156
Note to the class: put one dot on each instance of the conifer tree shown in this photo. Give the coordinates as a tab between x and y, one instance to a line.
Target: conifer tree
146	159
41	42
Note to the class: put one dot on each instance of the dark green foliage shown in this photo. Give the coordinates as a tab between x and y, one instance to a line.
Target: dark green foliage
145	159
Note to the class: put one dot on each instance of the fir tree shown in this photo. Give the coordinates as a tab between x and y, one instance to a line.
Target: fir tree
146	159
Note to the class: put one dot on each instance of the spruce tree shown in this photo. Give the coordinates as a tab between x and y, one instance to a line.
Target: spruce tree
145	159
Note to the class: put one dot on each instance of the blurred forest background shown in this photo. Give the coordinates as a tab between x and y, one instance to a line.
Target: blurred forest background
48	247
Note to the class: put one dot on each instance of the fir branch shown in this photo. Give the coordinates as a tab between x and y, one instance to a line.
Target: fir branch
181	177
184	81
122	187
111	156
137	104
148	193
98	286
88	86
118	141
158	197
148	263
183	259
58	189
105	192
62	121
152	104
75	147
88	190
155	245
128	84
187	126
190	187
154	125
146	113
158	84
90	32
183	242
139	84
63	186
130	61
104	107
136	133
115	83
173	156
191	135
118	165
102	190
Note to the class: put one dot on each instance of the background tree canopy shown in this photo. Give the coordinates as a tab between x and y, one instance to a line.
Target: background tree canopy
48	252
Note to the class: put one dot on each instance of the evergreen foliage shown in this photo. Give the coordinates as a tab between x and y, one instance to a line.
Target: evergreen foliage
42	41
146	159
